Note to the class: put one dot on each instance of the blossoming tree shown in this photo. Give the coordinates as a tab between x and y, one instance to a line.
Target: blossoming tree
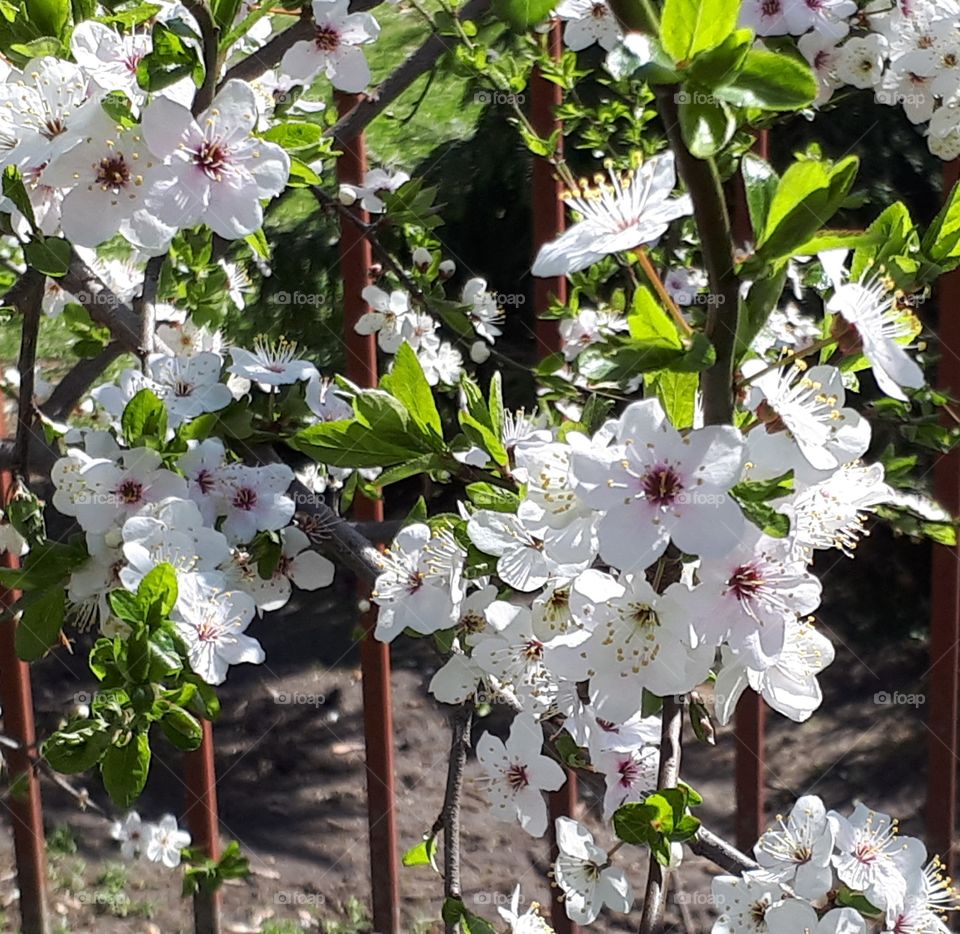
635	546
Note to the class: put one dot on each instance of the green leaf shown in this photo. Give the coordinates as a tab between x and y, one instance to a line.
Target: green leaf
173	58
760	182
51	17
38	629
650	324
766	518
181	728
294	135
350	444
707	124
522	14
49	255
423	854
158	590
719	65
691	26
127	606
488	496
771	81
224	13
78	747
755	309
633	823
891	234
406	382
677	393
762	491
14	190
125	768
809	194
144	420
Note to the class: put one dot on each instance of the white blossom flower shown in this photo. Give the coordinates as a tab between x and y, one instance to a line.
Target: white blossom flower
188	386
789	685
587	328
529	922
333	49
582	870
255	500
323	401
873	858
271	363
747	597
587	22
517	775
930	895
132	833
212	622
442	364
656	485
298	565
420	586
388	318
214	171
375	183
744	904
109	174
798	852
877	326
861	61
792	916
482	308
166	841
631	209
109	58
630	776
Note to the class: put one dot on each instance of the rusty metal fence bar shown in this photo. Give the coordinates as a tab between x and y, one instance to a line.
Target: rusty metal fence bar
361	368
944	702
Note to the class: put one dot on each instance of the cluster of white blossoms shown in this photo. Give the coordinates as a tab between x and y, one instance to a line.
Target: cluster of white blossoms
161	842
813	854
199	511
907	52
396	319
630	564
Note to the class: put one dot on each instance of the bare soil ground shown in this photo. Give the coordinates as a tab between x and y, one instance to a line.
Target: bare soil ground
292	778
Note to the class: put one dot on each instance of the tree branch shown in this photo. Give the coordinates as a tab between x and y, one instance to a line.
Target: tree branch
210	34
102	303
30	303
651	921
71	389
146	306
349	126
450	816
718	851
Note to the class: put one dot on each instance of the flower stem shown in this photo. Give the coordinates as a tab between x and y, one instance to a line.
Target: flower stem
787	360
644	259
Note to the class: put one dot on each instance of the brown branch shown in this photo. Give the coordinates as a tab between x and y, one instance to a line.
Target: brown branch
210	34
651	921
30	303
71	389
102	303
146	306
349	126
459	744
719	852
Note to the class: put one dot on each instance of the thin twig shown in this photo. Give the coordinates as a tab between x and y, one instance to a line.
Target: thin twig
210	34
146	306
682	324
31	310
725	855
459	744
651	921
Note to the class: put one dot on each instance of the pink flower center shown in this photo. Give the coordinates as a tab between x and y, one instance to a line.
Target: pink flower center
212	158
130	492
746	582
245	499
205	481
113	173
630	772
771	7
326	39
661	485
517	777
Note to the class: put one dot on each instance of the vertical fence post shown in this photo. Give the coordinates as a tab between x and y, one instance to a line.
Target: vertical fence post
361	368
943	708
200	777
548	223
23	803
750	717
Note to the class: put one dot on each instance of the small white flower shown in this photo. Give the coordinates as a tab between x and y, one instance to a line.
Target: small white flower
333	49
166	841
861	61
587	22
255	500
215	171
389	317
188	386
375	183
632	209
517	774
132	834
744	904
271	363
873	858
878	326
582	870
211	622
529	922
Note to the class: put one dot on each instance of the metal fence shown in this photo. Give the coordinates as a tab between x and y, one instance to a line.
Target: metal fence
23	805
